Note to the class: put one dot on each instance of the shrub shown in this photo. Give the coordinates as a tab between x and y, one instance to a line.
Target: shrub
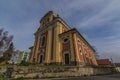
3	78
24	63
20	78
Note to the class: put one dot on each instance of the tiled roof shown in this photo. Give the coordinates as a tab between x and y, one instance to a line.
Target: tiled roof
103	62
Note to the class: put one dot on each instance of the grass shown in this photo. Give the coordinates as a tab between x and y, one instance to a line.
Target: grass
2	63
20	78
3	78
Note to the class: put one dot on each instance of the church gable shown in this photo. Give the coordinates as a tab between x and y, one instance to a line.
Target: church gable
47	18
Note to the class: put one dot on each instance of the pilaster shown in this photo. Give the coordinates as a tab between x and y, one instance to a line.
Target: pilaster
76	47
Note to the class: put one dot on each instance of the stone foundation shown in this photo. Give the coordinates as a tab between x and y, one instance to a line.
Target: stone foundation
54	71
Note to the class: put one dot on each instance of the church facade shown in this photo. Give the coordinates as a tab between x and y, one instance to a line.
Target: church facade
56	43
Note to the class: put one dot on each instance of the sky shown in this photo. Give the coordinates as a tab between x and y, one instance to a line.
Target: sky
97	20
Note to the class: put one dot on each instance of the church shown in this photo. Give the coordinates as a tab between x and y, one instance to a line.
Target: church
57	43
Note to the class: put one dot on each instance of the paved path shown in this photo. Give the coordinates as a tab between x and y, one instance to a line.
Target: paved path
103	77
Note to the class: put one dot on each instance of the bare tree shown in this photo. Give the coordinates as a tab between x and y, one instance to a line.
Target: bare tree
96	52
6	45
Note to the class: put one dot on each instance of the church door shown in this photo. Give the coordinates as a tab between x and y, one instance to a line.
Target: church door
66	58
41	59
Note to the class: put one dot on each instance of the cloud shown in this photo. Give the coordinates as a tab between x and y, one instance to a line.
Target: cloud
107	15
102	28
97	20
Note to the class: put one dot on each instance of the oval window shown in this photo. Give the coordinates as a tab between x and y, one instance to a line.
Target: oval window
65	40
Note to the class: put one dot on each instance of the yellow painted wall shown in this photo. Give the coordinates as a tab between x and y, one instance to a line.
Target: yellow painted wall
57	43
48	47
34	50
37	48
72	58
76	47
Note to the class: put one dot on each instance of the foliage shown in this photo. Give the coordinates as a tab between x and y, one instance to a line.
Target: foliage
6	45
3	78
20	78
96	52
8	53
3	63
2	59
24	63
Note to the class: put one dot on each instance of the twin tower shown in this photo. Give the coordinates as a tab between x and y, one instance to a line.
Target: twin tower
56	43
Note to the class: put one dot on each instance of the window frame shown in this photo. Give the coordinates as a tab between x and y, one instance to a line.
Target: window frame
43	44
65	41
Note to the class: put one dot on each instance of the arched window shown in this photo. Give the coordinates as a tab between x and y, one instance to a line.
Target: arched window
43	41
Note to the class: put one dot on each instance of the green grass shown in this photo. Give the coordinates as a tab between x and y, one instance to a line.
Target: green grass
20	78
3	78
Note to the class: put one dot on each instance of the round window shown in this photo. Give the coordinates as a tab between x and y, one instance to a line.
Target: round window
65	40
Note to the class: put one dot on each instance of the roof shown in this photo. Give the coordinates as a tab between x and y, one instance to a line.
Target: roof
31	47
103	62
117	64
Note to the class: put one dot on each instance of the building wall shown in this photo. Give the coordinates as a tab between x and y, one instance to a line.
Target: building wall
54	50
86	53
23	56
20	58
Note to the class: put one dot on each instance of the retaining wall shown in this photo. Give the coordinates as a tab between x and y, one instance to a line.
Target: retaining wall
52	71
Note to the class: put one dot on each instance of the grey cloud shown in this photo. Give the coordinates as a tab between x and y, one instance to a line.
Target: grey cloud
110	12
21	18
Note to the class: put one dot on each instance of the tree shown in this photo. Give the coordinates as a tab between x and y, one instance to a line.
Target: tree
6	45
96	52
8	53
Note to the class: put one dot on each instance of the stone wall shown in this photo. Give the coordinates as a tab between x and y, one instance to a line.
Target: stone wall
117	69
53	71
3	69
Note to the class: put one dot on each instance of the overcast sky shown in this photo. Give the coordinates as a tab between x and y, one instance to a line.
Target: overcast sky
97	20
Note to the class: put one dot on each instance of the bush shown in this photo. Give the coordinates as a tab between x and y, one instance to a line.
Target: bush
1	59
3	63
3	78
20	78
24	63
